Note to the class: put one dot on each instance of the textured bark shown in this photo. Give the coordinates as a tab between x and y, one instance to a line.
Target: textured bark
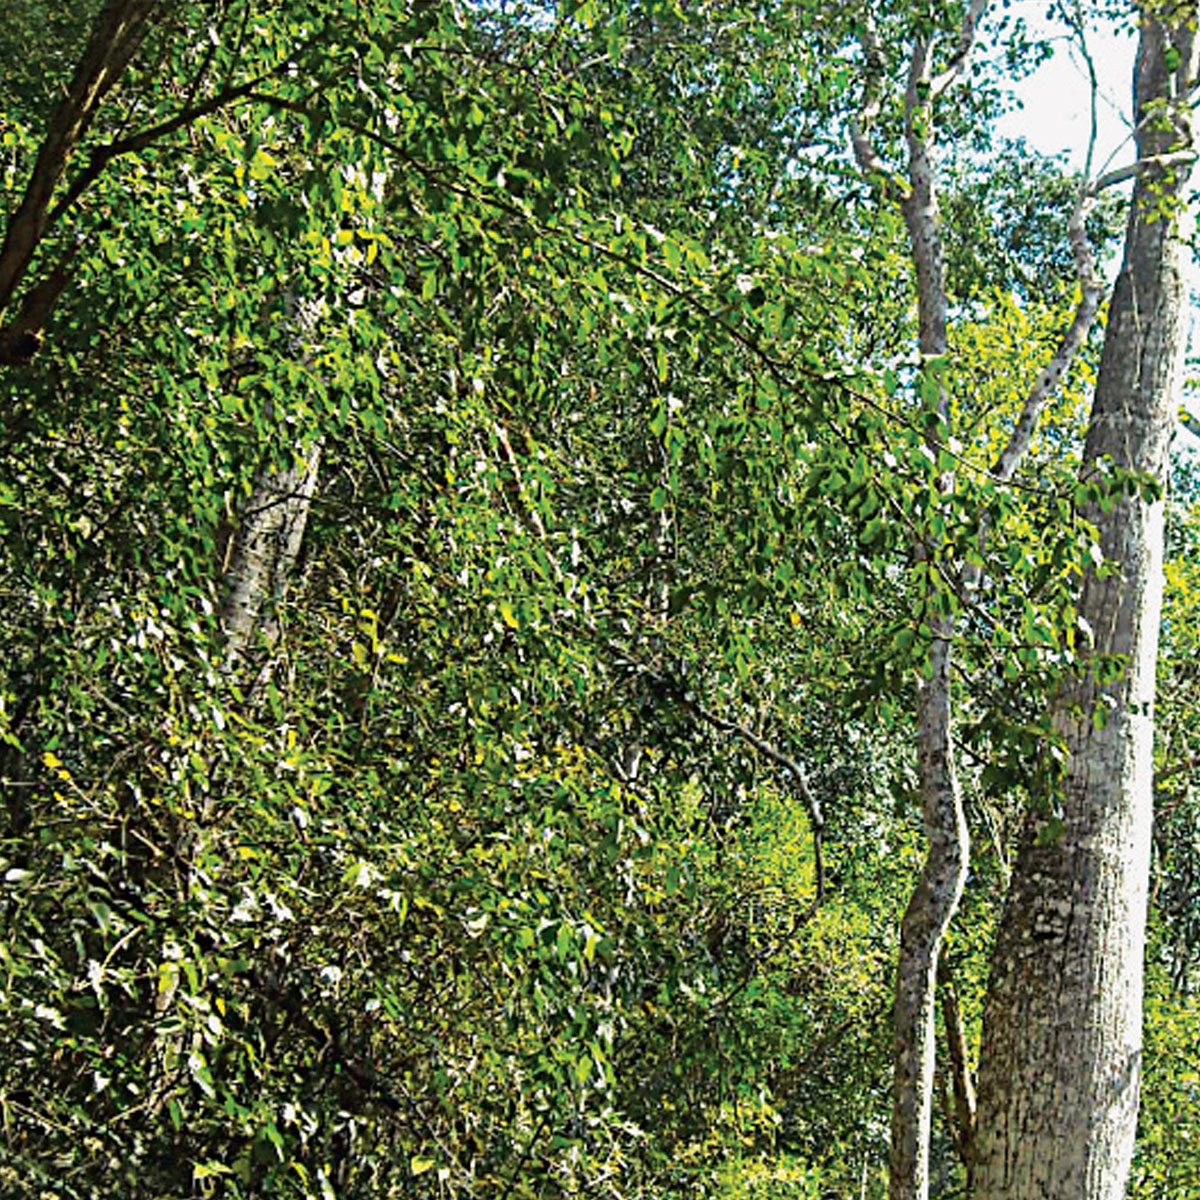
935	898
962	1083
264	553
930	910
1060	1069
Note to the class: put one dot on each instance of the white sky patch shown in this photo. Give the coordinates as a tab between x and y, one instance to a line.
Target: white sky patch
1056	116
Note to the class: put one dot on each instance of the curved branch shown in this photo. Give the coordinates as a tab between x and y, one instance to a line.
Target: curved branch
1091	287
865	152
966	40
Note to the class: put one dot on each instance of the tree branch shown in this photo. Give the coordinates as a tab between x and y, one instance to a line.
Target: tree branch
115	38
21	338
687	700
1180	158
869	160
966	40
1091	287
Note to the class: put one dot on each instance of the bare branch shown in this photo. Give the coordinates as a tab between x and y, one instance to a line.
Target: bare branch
799	775
1091	287
1180	158
1079	27
765	748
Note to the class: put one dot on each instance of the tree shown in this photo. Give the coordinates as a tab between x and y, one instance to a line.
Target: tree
394	906
937	894
1061	1060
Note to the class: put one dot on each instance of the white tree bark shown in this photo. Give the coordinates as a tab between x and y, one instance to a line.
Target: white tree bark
935	898
265	550
1061	1061
271	527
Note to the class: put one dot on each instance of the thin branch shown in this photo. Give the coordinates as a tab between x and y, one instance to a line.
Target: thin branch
861	124
921	215
766	749
966	40
214	41
1079	24
1091	287
115	38
103	155
784	373
1179	158
687	700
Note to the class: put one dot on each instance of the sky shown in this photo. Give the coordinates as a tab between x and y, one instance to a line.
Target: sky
1055	116
1056	97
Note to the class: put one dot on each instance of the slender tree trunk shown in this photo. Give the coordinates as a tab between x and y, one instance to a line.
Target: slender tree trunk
264	554
266	545
935	899
259	566
1061	1061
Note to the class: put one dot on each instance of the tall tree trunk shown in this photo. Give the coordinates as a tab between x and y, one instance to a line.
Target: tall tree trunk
262	555
258	567
1061	1060
935	899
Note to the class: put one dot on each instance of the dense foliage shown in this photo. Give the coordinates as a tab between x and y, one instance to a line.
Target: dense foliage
548	831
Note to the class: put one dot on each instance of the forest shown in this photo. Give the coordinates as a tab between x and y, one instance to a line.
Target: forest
601	598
